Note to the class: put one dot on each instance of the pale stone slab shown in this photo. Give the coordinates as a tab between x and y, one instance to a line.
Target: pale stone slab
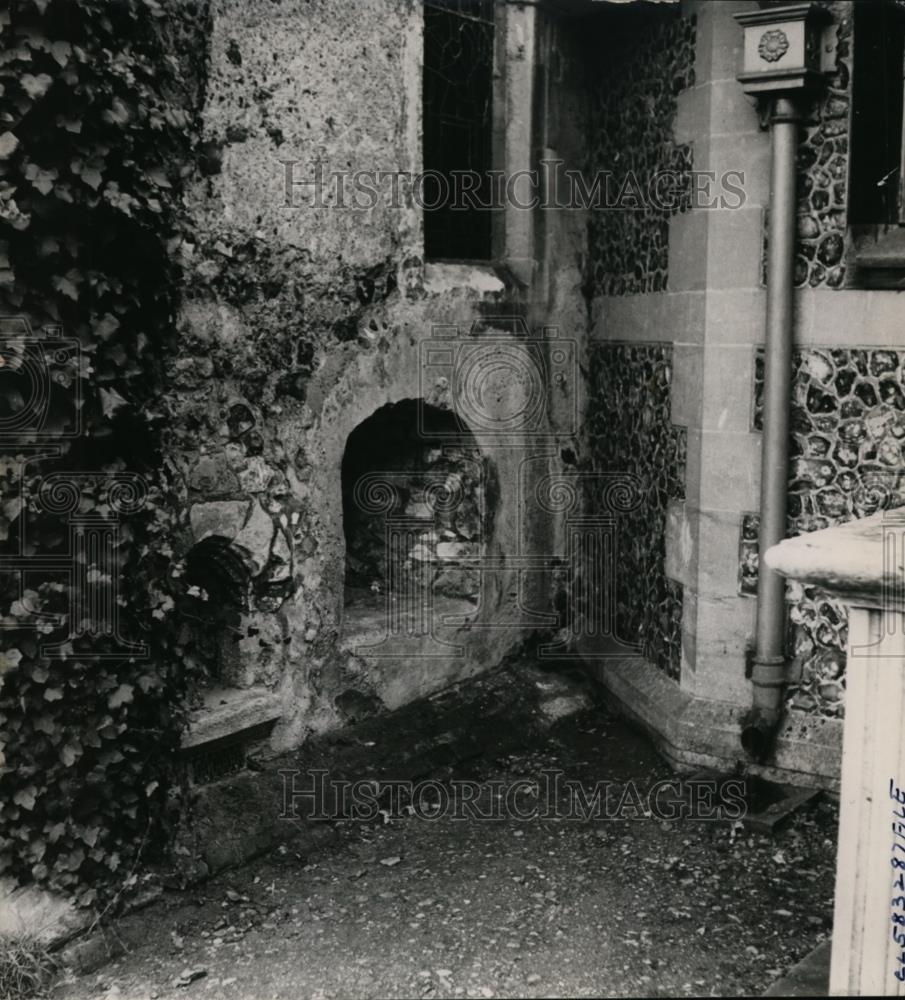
229	711
26	911
223	518
255	538
847	559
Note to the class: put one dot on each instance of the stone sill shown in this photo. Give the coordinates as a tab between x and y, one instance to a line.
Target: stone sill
230	712
441	277
847	560
876	257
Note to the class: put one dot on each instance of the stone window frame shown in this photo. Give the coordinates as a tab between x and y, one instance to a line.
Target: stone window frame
875	256
447	233
512	146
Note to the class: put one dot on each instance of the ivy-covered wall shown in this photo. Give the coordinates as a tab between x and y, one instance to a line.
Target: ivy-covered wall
96	119
156	171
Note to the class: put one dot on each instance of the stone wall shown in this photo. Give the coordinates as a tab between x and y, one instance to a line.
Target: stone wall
848	428
823	170
645	58
630	431
394	449
301	318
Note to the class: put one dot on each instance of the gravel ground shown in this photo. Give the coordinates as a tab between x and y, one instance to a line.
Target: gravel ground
409	907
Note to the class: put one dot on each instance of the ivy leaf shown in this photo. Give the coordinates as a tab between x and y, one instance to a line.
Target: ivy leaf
38	673
111	402
9	659
8	145
92	177
53	694
40	178
73	861
90	835
26	797
65	286
121	696
70	754
36	86
107	326
158	176
55	832
87	896
61	51
45	724
118	114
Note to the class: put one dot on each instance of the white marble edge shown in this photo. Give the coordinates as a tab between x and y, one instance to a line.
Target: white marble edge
847	560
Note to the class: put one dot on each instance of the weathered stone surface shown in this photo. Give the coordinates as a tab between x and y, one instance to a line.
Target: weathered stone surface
847	560
86	956
255	476
560	696
634	109
255	537
211	474
221	842
443	486
223	518
823	169
630	430
299	322
280	559
228	712
846	463
27	911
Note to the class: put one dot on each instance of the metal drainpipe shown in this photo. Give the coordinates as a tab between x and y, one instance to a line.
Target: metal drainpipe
768	675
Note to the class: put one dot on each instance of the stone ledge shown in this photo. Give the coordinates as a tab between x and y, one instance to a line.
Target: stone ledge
696	732
846	560
442	277
230	712
487	716
30	912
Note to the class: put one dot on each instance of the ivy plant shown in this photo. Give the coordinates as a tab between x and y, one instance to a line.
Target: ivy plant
96	115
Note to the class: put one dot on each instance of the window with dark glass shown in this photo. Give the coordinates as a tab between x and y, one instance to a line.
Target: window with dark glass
876	185
458	84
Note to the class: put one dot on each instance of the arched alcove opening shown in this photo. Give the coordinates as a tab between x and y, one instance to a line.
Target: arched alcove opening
217	590
410	466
